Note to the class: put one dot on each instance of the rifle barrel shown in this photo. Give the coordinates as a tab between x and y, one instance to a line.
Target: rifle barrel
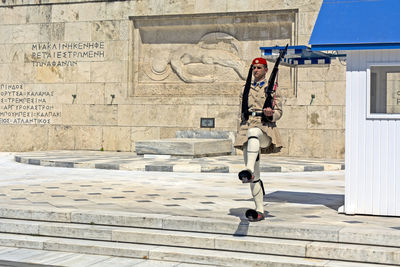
271	81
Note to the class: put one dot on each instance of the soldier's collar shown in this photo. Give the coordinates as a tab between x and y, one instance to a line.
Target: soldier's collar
261	84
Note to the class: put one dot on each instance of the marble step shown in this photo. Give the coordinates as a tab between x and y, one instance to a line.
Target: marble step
185	147
309	232
151	252
23	257
195	240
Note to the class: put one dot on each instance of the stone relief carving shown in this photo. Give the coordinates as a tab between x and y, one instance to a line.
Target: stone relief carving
185	54
196	63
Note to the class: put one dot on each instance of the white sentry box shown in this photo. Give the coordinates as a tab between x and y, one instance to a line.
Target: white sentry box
372	132
368	33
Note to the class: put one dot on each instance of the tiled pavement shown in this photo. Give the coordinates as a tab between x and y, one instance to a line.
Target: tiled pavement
130	161
296	197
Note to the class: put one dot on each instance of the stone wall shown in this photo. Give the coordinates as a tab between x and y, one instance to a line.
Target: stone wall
102	74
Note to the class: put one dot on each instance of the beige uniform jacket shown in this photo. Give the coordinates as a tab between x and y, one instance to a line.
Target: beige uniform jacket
255	103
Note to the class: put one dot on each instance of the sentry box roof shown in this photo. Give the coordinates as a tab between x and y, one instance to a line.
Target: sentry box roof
357	25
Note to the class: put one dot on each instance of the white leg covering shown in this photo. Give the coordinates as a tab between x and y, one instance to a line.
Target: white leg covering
257	170
256	137
256	189
245	155
258	196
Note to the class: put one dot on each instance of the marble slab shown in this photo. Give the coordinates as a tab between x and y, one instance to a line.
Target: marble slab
186	147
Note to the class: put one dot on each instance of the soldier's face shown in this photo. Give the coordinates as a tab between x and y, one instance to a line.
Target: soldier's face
259	71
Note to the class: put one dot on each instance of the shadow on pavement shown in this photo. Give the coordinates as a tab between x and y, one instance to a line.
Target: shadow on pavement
333	201
243	226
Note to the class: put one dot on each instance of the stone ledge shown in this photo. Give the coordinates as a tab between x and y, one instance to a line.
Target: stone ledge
165	163
47	2
186	147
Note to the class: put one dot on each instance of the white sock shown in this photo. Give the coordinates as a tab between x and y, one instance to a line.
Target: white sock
253	146
258	196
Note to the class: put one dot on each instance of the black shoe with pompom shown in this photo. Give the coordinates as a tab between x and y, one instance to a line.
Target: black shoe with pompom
254	216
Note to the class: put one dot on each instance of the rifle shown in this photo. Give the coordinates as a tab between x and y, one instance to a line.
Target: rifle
269	101
245	111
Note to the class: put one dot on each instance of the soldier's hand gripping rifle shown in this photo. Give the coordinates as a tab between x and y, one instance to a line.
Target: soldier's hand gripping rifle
269	101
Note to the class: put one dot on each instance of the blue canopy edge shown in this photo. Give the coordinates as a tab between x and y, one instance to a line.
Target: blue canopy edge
297	56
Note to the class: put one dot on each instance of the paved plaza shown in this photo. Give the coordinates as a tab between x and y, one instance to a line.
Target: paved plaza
292	198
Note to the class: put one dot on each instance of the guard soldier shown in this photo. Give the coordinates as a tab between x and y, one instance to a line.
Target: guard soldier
257	132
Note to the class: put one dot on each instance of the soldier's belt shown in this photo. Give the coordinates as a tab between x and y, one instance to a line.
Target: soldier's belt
256	114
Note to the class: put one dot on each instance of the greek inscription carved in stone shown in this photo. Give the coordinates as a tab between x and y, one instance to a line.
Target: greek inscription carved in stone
398	97
65	54
19	106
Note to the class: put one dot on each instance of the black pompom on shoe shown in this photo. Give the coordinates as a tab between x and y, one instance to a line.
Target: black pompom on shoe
246	176
254	216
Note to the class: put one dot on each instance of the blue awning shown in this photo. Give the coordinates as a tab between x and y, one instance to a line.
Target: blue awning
357	24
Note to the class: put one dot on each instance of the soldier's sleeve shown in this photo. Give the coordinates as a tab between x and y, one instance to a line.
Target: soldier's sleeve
277	108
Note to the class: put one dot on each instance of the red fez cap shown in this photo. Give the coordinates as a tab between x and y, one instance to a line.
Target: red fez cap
259	60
